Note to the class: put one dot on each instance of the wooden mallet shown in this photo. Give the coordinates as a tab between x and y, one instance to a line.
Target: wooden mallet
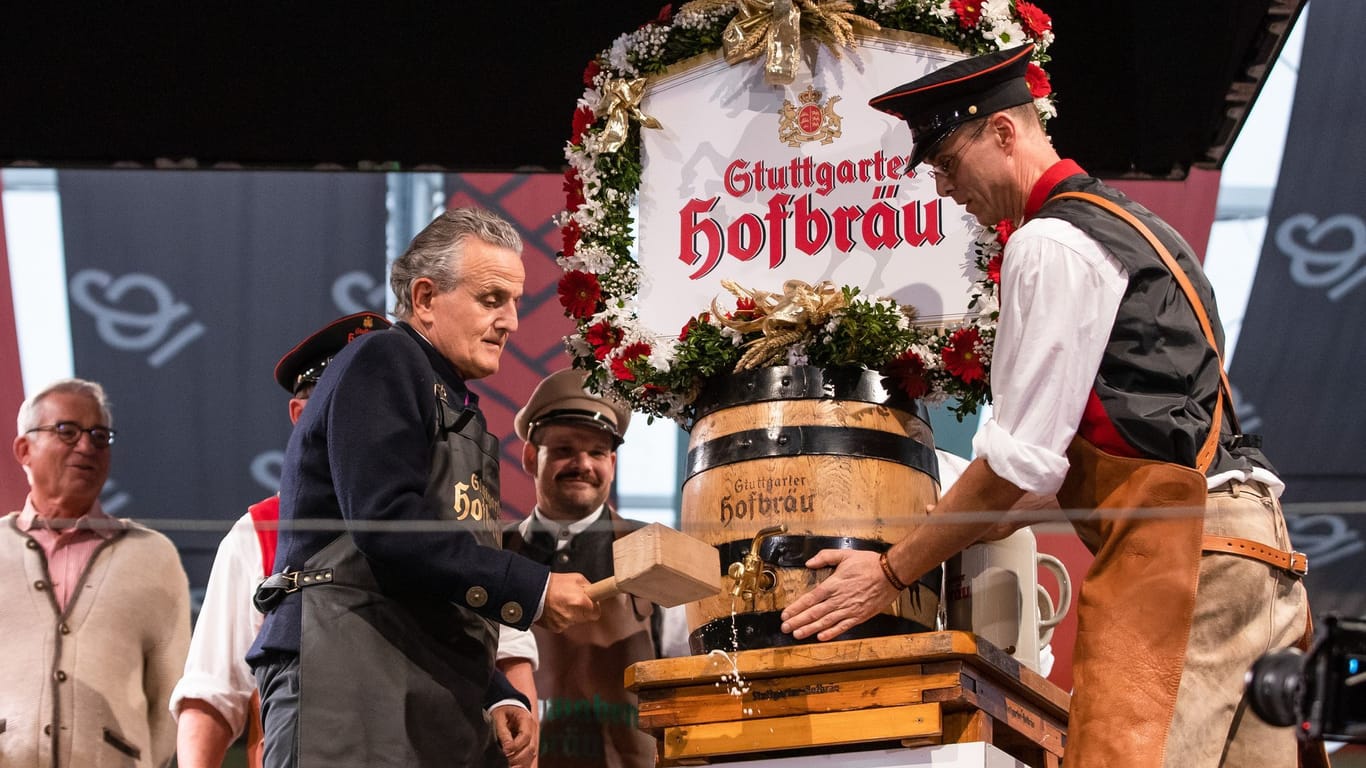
662	565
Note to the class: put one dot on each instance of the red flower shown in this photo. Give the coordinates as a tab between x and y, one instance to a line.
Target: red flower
969	12
591	71
1033	19
961	357
579	293
908	373
705	317
1037	80
603	337
583	119
994	268
1004	229
570	233
573	190
665	13
631	353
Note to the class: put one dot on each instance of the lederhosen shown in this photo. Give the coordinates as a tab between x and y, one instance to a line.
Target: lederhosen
411	665
589	717
1146	527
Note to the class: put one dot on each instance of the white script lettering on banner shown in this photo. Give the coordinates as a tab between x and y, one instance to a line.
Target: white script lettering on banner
112	499
266	469
1324	539
1331	252
761	184
358	291
124	320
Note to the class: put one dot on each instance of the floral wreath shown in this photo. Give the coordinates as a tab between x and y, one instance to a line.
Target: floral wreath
804	325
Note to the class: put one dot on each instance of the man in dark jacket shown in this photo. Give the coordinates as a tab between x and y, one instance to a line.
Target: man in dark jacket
378	647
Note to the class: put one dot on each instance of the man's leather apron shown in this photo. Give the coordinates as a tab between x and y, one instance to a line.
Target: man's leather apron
394	674
1135	606
1137	603
590	719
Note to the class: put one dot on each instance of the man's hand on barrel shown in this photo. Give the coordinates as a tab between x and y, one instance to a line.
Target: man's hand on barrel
567	602
854	593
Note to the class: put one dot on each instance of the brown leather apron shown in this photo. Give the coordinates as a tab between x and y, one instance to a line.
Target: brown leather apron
1136	605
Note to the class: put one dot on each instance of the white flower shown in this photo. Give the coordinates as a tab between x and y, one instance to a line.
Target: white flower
943	11
1046	107
662	352
578	346
1005	34
796	354
593	259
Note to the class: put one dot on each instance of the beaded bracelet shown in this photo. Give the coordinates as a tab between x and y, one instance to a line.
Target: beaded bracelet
887	571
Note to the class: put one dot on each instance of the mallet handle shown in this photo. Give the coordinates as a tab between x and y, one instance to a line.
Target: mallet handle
601	590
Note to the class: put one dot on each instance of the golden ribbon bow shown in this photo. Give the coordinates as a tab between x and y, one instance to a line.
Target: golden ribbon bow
774	27
621	102
795	314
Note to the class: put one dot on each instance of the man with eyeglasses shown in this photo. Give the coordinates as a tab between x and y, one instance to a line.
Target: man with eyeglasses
1108	393
96	615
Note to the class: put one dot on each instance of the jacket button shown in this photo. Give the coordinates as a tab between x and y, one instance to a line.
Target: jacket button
60	676
47	729
477	597
40	585
512	612
32	544
562	557
65	628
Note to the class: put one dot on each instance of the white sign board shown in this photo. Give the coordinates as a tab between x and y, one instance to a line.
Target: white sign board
761	184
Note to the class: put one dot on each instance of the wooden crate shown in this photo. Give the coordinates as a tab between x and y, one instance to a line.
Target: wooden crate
923	689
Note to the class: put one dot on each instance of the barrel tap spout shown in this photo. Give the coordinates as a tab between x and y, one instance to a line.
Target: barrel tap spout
751	574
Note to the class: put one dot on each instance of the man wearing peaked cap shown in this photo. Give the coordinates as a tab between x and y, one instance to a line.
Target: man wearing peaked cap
1108	324
214	702
560	398
571	440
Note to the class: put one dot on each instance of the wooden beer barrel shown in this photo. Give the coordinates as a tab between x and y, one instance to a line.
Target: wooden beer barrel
834	457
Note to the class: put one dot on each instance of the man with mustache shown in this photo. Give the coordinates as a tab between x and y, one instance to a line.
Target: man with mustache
588	718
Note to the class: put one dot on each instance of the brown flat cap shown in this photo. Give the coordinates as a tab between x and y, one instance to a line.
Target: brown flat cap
561	399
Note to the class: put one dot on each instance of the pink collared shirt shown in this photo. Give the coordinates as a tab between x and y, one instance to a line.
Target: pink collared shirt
70	545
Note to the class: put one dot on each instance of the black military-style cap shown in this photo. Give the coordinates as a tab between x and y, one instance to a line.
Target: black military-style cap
936	104
305	363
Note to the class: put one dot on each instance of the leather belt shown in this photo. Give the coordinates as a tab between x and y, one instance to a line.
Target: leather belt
1296	563
271	592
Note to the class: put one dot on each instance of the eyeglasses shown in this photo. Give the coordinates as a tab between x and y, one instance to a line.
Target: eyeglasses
947	165
69	432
